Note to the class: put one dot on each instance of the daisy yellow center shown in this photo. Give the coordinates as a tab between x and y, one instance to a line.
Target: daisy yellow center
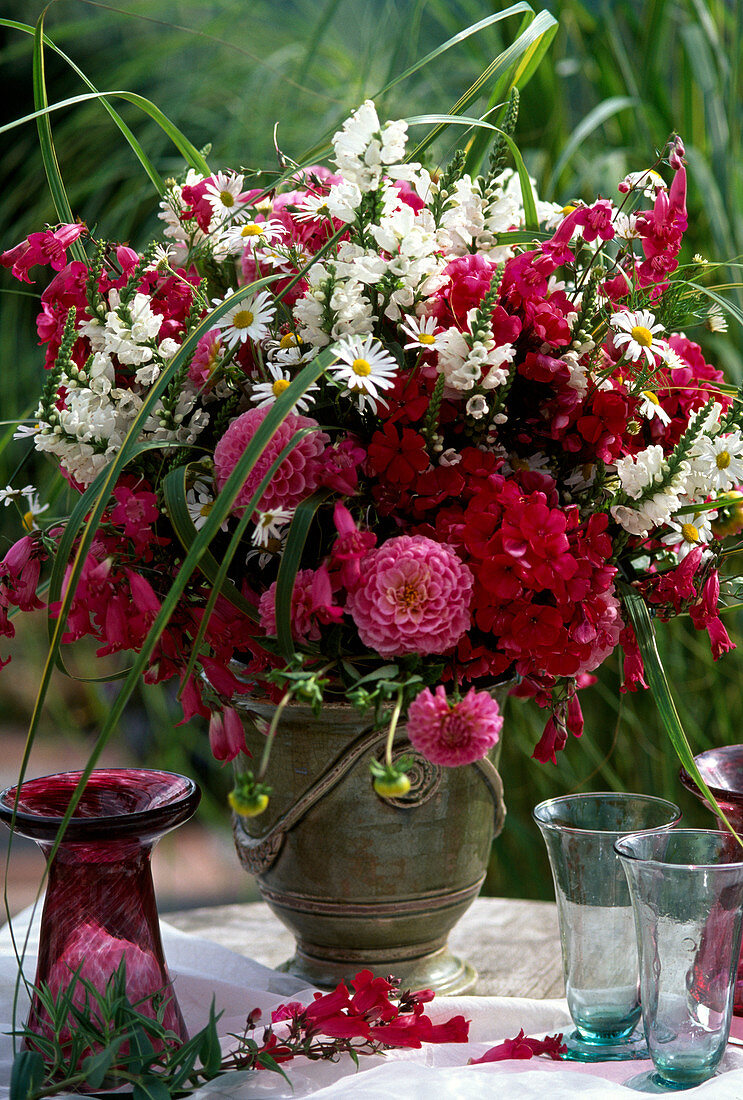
568	209
289	340
642	336
279	386
242	319
205	509
252	229
690	532
723	460
28	521
426	338
408	595
361	367
651	397
226	198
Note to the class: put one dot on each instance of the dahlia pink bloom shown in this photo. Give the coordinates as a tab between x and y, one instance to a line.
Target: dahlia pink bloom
414	597
452	734
297	476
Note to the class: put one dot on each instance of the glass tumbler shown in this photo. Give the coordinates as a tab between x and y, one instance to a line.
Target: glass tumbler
687	895
597	933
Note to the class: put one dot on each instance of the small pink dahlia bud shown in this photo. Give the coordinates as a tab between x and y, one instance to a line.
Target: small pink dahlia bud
414	597
297	476
452	734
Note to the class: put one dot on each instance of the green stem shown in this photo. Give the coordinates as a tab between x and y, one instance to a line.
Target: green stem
393	726
272	733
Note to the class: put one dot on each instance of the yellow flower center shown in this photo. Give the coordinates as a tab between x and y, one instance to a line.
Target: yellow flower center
408	595
252	229
289	340
226	198
568	209
206	508
279	386
690	532
242	319
651	397
723	460
361	367
642	336
28	521
426	338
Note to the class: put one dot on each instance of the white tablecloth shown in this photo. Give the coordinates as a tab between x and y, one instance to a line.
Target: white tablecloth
201	969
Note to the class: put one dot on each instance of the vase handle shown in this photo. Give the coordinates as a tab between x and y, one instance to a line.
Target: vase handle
494	783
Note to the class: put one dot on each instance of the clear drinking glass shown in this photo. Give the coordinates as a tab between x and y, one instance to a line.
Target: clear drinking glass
687	894
599	951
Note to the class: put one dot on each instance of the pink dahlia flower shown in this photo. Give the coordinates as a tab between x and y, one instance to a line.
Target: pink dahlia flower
297	476
414	597
452	734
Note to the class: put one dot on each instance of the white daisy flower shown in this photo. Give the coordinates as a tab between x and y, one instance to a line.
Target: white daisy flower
719	461
269	525
312	208
9	494
689	532
716	320
637	333
651	408
366	368
236	238
200	501
421	332
223	195
248	320
265	393
34	509
24	431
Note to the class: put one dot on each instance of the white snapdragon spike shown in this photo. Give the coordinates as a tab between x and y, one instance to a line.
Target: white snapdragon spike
651	408
365	149
270	526
717	462
343	201
464	220
265	393
247	320
333	303
131	340
687	532
200	501
578	380
638	471
421	333
477	407
637	334
454	363
365	369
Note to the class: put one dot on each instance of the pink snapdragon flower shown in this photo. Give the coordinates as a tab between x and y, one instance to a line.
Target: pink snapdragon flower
312	605
226	735
456	733
297	476
49	247
350	547
414	597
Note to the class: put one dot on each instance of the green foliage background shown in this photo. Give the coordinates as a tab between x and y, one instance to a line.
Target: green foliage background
620	76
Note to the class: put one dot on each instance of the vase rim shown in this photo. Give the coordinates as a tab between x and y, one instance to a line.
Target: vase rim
726	754
145	801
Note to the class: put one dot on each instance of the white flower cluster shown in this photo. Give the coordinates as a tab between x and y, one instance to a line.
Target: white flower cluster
365	150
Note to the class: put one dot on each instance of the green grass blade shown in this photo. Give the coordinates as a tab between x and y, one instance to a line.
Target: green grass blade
46	142
137	149
290	561
591	122
174	496
656	676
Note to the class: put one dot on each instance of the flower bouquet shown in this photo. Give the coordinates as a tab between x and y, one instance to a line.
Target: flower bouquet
381	433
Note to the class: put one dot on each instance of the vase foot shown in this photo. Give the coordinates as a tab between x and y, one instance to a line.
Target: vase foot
440	970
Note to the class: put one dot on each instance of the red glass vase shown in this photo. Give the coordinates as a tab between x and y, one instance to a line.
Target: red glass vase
100	901
722	771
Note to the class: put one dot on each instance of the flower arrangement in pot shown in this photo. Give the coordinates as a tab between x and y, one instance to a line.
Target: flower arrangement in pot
386	435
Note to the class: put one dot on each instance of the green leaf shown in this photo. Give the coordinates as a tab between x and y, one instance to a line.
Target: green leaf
290	560
174	496
591	122
210	1053
656	676
151	1088
27	1074
141	1050
97	1066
